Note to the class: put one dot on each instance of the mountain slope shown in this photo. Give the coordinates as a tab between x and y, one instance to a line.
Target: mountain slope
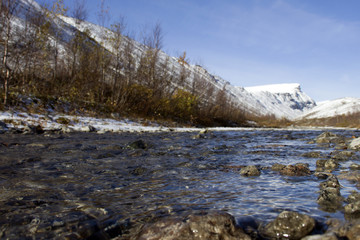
281	101
333	108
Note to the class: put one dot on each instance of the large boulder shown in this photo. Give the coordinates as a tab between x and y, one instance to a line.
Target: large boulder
197	225
289	225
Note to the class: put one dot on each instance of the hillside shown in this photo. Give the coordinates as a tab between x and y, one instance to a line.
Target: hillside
105	70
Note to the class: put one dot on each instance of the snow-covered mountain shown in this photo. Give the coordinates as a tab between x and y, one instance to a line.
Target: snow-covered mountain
326	109
281	100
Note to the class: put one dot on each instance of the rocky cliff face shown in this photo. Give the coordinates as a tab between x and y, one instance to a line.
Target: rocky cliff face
282	100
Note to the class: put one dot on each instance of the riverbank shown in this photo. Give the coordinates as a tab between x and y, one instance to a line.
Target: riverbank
17	121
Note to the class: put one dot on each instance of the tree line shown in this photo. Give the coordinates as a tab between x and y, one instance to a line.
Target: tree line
40	58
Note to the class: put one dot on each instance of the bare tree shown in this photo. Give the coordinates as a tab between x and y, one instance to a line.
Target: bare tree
79	11
7	10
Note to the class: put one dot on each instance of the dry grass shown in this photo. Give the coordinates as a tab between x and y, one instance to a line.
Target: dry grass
345	120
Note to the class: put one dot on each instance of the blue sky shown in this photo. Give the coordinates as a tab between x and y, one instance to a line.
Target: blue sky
254	42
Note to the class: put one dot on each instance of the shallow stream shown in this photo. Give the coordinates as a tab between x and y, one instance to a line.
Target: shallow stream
52	186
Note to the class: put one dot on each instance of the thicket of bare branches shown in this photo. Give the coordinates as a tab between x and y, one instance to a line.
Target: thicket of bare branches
38	61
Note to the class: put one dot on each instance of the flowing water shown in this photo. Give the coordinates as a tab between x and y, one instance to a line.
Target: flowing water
83	183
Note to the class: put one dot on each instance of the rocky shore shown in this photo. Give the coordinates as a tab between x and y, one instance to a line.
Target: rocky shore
159	186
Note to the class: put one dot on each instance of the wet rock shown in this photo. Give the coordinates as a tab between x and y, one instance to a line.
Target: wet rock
3	126
289	225
202	134
314	154
353	176
329	137
354	232
88	128
139	144
344	230
33	129
277	167
296	170
354	166
322	175
330	198
342	155
331	164
352	210
250	171
326	236
199	225
320	163
138	171
353	197
355	144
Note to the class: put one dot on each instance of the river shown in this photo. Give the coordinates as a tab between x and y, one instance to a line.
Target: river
53	185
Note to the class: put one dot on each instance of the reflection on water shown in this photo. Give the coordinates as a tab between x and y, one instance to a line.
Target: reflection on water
51	184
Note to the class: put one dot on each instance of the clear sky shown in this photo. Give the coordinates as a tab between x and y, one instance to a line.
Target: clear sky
254	42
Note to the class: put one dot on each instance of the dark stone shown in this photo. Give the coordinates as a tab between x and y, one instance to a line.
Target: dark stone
250	171
33	130
3	126
330	198
139	144
197	225
138	171
289	225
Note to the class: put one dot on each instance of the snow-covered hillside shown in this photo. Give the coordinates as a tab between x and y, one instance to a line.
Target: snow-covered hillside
333	108
282	100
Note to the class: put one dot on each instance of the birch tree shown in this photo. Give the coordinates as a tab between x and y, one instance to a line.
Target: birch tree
7	10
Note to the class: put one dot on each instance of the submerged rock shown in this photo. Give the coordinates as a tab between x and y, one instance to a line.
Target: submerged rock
289	225
197	225
249	171
314	154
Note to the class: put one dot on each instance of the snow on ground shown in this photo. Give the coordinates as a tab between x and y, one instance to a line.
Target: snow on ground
334	108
